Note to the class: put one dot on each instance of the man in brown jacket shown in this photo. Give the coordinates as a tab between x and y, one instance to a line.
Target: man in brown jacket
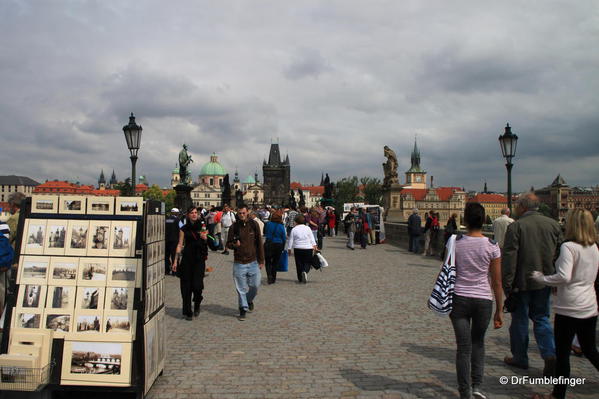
245	239
531	244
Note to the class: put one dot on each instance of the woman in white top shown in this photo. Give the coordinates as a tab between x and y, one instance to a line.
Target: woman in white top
576	302
301	240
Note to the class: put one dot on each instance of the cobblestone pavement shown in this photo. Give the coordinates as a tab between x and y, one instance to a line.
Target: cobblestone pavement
360	329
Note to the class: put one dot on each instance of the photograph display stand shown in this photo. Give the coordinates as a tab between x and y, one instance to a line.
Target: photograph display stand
91	277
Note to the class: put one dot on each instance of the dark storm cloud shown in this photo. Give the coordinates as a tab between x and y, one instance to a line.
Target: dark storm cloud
334	82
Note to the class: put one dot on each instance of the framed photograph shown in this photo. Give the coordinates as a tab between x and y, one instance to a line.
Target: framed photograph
119	298
92	272
63	271
60	322
119	325
108	362
150	346
132	206
33	270
61	297
56	236
123	272
31	296
72	204
34	237
122	240
27	318
77	234
88	322
98	238
90	298
44	203
100	205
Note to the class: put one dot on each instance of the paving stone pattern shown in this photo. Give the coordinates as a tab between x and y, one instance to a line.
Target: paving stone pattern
359	329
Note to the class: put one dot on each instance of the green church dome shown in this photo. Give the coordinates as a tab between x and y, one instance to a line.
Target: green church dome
213	168
250	180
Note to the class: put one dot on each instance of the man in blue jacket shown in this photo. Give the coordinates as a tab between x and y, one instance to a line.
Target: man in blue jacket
414	231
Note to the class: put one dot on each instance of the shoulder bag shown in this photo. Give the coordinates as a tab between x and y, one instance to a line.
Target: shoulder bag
441	297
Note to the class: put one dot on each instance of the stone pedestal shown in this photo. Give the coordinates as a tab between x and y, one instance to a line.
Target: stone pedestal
183	199
392	203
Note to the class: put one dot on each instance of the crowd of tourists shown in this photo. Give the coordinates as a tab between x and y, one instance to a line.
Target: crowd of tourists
259	238
516	272
525	261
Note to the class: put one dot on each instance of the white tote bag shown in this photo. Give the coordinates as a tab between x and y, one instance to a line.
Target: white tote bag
323	261
441	297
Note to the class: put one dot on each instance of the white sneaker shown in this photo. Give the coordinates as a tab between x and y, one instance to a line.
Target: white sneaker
305	277
478	394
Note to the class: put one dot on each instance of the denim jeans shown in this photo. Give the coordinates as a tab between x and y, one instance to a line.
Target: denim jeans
532	304
247	280
350	239
414	243
470	318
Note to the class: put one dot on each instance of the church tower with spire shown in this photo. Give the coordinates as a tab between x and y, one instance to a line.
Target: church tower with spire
415	176
277	177
102	181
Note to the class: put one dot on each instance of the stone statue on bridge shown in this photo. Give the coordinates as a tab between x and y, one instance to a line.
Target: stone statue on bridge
390	168
184	161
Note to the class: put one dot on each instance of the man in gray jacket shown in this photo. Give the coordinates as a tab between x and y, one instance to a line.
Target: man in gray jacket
531	244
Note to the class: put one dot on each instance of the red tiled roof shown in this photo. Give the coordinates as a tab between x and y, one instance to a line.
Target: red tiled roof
62	187
444	193
65	187
295	185
140	188
314	190
486	198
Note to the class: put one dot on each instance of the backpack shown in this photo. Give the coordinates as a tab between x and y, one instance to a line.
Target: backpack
435	225
7	254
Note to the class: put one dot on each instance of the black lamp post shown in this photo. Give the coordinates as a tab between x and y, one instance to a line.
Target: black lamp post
133	137
508	142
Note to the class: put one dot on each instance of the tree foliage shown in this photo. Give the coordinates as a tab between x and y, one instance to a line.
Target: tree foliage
169	200
153	193
346	190
373	190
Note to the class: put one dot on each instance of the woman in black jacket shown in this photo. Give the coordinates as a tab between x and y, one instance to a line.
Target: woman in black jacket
190	261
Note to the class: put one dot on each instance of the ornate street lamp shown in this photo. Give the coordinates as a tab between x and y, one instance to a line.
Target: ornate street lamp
508	142
133	136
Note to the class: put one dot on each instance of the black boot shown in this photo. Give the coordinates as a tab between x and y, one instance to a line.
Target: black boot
196	309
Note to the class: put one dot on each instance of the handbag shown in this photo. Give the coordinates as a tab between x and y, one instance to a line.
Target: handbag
440	300
283	264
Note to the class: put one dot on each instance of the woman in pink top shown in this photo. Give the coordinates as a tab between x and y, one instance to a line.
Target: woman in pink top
576	303
476	257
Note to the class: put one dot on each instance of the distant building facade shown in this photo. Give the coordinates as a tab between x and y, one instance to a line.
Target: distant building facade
277	177
13	184
493	203
208	191
444	200
253	191
561	197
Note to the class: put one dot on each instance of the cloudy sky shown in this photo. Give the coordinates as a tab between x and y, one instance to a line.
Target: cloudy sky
333	81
